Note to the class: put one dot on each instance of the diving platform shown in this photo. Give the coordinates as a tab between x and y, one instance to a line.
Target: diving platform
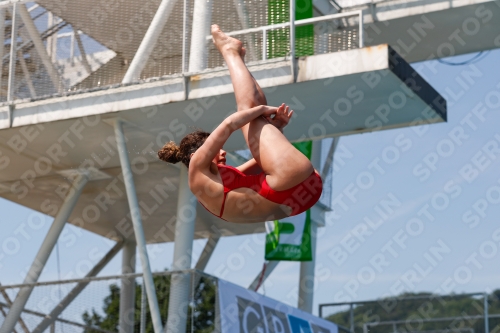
335	94
421	30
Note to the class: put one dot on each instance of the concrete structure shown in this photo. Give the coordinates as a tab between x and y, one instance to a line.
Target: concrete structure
60	124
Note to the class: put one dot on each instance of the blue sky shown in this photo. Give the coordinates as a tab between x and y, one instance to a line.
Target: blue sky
437	234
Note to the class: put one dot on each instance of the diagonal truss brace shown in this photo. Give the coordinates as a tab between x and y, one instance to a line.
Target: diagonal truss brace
58	309
39	46
44	252
9	303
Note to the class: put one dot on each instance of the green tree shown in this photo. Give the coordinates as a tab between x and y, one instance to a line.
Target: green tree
202	308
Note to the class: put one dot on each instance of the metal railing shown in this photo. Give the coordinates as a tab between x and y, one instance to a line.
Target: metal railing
395	323
93	309
422	313
45	55
264	29
70	323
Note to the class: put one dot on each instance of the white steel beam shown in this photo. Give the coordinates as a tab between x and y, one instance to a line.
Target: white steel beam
51	318
26	73
142	327
127	291
306	280
2	40
183	248
51	40
60	320
85	61
202	15
205	256
9	303
44	252
329	157
292	38
243	17
324	7
208	250
39	46
12	60
149	41
135	213
262	276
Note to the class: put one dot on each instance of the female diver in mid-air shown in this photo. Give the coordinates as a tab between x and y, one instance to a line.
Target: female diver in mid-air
278	182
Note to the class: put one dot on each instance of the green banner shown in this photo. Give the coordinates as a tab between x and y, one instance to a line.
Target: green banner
278	11
290	239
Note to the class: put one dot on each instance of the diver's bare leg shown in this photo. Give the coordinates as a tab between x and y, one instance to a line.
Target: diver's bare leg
284	165
261	96
248	94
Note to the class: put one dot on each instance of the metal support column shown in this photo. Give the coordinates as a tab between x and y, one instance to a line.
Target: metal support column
184	38
329	157
292	38
207	252
127	291
306	281
2	39
183	248
51	40
144	300
361	33
51	318
245	24
260	279
486	314
39	46
202	262
135	213
26	73
43	254
12	60
83	54
149	41
202	15
351	318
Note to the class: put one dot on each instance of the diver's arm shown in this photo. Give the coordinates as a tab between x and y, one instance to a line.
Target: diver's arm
216	140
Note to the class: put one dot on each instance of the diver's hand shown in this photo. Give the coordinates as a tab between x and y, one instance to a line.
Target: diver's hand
281	117
268	111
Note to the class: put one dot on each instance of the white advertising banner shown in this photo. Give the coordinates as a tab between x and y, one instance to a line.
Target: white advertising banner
245	311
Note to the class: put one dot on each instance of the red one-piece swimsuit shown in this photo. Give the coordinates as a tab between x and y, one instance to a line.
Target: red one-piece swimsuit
300	198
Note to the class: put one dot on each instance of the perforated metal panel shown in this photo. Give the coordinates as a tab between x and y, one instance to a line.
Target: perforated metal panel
76	46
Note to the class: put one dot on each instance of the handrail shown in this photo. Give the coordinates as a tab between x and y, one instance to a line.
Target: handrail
96	278
266	28
462	317
60	320
297	23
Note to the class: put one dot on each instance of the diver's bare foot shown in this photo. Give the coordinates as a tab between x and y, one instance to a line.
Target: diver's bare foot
242	53
225	43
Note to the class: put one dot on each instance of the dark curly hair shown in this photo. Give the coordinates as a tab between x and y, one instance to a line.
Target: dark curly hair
172	153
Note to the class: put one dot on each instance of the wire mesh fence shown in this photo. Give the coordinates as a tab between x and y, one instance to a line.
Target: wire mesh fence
429	313
56	47
96	309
